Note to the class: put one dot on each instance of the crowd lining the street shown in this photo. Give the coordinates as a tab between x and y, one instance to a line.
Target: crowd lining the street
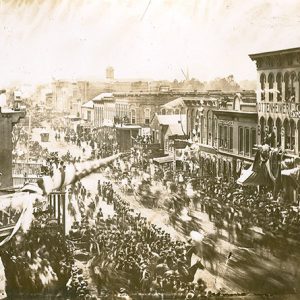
146	256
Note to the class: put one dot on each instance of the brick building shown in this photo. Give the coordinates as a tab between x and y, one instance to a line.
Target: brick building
222	125
278	75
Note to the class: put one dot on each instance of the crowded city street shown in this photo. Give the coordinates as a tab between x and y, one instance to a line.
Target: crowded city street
150	150
183	238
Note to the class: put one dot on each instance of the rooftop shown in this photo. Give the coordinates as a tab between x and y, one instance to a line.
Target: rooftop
89	104
176	129
276	52
171	119
174	103
103	96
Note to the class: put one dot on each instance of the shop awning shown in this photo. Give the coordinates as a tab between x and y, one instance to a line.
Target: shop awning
164	159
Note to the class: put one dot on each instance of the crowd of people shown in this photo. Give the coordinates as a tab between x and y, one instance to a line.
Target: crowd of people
128	254
250	217
39	262
132	255
244	215
101	143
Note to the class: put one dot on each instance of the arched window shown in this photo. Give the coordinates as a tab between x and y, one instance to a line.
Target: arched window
201	129
287	134
292	128
262	129
287	87
147	116
278	133
133	116
271	133
279	86
209	127
262	85
177	111
293	79
271	86
192	122
236	103
163	111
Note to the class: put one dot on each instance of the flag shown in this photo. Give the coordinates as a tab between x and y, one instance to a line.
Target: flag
278	181
257	162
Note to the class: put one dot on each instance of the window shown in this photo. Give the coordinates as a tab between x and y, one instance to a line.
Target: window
133	116
241	139
89	114
225	137
262	85
220	136
230	138
147	116
163	111
247	141
271	82
253	140
176	111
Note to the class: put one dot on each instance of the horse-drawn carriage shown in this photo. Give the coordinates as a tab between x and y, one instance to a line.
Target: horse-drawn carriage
146	196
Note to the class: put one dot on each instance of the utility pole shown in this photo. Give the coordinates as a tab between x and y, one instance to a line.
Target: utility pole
28	145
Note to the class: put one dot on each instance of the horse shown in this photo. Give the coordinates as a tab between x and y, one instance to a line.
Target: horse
188	274
209	252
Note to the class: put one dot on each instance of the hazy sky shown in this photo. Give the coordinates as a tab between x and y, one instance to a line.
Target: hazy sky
71	39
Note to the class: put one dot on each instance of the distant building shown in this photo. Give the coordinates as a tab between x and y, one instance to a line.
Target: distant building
87	112
165	128
104	109
49	100
110	73
140	108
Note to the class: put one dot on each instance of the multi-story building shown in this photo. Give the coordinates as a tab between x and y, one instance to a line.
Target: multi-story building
236	133
140	108
223	125
104	109
278	74
87	112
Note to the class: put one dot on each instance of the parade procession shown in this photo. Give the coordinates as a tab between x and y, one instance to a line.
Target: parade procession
150	188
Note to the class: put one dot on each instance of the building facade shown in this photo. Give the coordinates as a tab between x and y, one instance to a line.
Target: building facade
278	75
236	133
222	125
104	110
140	108
8	118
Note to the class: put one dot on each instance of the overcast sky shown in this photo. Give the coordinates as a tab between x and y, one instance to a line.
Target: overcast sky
70	39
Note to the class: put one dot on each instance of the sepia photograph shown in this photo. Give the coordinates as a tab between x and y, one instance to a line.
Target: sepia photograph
149	149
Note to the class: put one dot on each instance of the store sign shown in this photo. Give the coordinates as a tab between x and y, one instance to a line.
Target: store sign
292	109
294	114
226	122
